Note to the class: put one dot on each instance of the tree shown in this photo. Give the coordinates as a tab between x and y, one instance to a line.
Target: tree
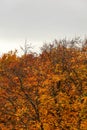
46	91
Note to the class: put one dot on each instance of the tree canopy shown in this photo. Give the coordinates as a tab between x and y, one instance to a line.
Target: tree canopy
46	91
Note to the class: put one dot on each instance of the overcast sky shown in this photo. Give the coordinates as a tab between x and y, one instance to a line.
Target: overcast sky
39	21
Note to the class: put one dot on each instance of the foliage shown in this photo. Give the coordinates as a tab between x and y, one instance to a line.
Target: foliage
45	92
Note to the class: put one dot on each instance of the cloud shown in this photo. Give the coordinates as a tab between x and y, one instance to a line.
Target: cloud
41	20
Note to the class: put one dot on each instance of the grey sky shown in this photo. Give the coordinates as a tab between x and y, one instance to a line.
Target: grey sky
40	21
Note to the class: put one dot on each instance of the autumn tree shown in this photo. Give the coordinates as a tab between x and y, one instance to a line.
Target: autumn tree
46	91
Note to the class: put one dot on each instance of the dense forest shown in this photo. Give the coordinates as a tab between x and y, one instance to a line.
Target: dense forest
46	91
